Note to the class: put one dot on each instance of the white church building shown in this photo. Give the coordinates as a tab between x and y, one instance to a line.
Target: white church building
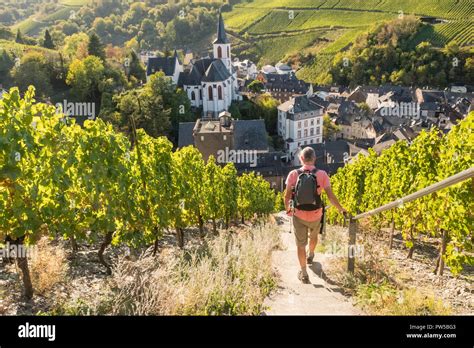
211	82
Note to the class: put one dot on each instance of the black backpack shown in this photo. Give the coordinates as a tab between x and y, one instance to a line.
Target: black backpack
305	194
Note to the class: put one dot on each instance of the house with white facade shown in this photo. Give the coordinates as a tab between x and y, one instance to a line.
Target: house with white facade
211	83
300	122
246	68
170	66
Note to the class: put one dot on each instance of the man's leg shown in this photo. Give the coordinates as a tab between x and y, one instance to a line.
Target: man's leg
301	249
313	239
301	236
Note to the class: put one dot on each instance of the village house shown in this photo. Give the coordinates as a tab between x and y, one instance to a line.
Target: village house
245	69
270	166
283	69
357	127
242	142
282	86
211	136
170	66
300	122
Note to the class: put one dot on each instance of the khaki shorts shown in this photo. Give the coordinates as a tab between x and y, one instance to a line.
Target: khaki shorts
303	228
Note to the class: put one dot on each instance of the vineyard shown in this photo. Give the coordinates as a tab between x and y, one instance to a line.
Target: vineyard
268	49
93	184
438	8
373	181
440	34
255	21
316	69
279	21
34	24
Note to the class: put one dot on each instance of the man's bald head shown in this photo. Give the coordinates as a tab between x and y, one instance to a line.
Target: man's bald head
307	155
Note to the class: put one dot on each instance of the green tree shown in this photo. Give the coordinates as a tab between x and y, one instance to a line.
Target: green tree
48	41
174	100
95	47
33	70
329	128
136	68
256	86
75	46
85	77
365	109
146	107
19	37
267	109
6	65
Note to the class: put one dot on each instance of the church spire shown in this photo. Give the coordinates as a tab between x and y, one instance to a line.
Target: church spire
221	34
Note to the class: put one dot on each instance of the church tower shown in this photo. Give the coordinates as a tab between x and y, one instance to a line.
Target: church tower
222	45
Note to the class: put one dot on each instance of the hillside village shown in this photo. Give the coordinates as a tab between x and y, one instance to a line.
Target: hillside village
362	118
339	122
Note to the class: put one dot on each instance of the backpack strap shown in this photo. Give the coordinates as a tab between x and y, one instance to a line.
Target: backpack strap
314	171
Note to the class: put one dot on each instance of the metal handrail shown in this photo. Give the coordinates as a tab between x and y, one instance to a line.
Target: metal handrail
461	176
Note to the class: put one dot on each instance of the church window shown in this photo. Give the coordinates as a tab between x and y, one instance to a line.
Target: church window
210	93
193	95
219	52
219	92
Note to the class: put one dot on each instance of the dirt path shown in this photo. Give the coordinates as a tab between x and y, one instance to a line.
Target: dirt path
294	298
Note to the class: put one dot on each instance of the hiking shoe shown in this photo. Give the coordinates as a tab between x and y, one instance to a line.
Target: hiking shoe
303	277
309	259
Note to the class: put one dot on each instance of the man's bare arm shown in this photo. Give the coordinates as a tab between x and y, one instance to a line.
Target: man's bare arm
287	198
334	201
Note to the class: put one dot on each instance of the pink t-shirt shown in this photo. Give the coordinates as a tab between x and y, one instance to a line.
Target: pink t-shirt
323	182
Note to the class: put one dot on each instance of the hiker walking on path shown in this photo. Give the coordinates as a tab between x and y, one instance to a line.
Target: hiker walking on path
303	202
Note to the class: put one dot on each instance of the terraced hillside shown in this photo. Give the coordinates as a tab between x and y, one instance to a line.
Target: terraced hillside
34	24
324	27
